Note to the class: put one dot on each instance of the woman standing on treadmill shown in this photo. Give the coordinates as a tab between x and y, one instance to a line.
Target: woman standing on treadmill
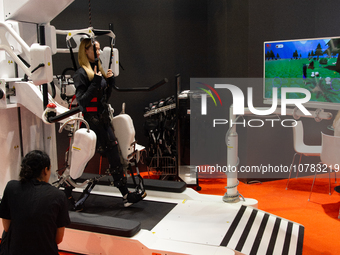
93	90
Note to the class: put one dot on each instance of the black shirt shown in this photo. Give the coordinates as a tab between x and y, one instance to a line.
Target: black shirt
36	209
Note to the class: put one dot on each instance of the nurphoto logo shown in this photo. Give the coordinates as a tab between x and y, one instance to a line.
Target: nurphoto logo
238	100
239	104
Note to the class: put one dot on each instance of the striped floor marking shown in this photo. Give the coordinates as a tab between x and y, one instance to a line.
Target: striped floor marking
255	232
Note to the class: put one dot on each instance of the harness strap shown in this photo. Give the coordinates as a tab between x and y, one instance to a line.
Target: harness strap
93	108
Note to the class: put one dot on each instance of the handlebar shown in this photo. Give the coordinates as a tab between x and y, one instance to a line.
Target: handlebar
81	119
153	87
64	115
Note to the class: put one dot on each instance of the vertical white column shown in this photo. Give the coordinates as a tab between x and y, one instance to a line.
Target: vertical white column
232	194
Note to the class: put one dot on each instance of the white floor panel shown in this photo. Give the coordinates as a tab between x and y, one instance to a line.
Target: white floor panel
197	222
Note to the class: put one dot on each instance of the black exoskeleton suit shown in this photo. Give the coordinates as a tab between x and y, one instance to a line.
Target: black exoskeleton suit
92	97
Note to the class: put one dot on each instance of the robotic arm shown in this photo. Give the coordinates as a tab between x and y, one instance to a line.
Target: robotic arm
39	67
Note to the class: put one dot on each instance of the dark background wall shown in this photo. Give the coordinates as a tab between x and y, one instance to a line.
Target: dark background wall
202	38
155	39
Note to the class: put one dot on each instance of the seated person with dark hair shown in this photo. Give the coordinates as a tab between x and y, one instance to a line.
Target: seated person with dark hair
34	213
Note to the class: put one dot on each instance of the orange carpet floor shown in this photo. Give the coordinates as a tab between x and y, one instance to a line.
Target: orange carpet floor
319	216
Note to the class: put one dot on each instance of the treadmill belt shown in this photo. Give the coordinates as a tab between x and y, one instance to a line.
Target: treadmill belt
148	213
149	184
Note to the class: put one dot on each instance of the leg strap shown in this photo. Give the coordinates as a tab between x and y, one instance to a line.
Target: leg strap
119	178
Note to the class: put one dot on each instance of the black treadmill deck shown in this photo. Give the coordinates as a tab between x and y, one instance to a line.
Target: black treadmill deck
150	184
107	215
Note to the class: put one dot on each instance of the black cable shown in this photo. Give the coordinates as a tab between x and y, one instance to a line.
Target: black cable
72	56
53	89
138	89
111	46
90	18
95	55
40	65
24	61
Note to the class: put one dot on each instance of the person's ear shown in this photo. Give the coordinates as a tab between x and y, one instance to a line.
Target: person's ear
46	170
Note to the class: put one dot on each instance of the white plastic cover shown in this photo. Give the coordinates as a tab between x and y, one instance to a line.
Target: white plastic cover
125	133
83	149
51	38
105	58
41	55
34	11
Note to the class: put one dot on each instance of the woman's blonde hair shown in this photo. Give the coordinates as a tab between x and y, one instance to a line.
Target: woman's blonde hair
84	61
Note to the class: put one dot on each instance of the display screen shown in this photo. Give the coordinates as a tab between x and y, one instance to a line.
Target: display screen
312	64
